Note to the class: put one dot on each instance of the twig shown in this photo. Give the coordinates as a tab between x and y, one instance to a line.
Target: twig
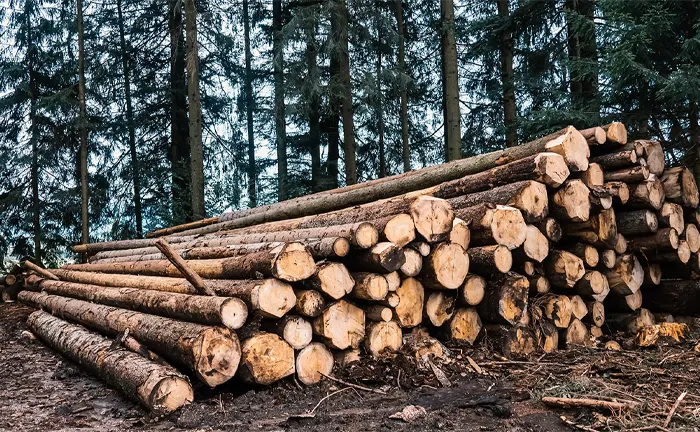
179	263
327	396
589	403
674	408
357	386
576	425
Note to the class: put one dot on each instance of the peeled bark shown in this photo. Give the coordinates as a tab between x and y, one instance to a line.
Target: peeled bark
159	388
680	187
213	353
473	290
439	307
226	311
265	359
505	299
341	325
571	202
528	196
409	310
446	267
463	328
626	277
313	362
382	337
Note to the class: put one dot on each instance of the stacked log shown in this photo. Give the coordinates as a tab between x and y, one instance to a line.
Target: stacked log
534	248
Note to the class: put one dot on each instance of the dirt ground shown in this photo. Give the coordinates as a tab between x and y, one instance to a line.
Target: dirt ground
39	390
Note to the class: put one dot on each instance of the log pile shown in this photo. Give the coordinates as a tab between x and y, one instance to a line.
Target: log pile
540	247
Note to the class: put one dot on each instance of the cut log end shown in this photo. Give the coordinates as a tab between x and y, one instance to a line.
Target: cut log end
266	358
234	313
448	265
342	325
312	362
575	335
296	331
553	169
400	230
370	286
383	337
472	292
460	233
408	311
433	218
573	146
551	229
334	279
536	245
273	298
464	327
413	262
365	236
547	337
439	307
558	309
217	355
293	263
692	237
617	133
572	201
310	303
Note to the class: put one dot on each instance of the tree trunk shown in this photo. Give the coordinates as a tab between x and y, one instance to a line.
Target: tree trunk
332	132
248	88
181	193
507	76
401	60
680	187
332	279
159	388
378	95
195	112
582	54
675	297
312	95
226	311
450	82
446	267
512	341
135	170
213	353
83	126
280	118
34	139
339	25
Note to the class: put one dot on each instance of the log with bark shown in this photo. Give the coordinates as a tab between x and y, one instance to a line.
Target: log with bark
494	224
563	269
384	257
488	260
617	160
528	196
692	236
571	202
433	218
592	283
512	341
445	267
309	303
677	297
665	238
629	322
398	229
551	229
628	303
265	359
637	222
680	187
626	276
534	248
295	330
647	194
557	309
313	362
599	230
505	299
183	227
439	307
341	325
586	252
546	336
594	136
596	314
460	233
575	335
463	328
634	174
332	279
408	312
370	286
159	388
213	353
619	192
593	176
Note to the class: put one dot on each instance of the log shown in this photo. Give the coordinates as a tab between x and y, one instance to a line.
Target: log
291	262
619	192
180	264
347	357
637	222
628	303
692	236
620	244
433	218
399	230
578	307
557	309
586	252
535	247
183	227
538	285
227	311
677	297
310	303
627	276
608	257
295	330
683	252
445	267
409	310
551	229
635	174
596	314
505	300
575	335
528	196
594	136
593	176
341	325
654	155
370	286
392	300
571	202
313	362
671	216
563	269
384	257
629	322
460	233
546	336
378	313
265	359
413	262
487	260
603	226
680	187
512	341
213	353
464	327
473	290
665	238
393	280
600	198
157	387
383	337
617	160
422	248
270	297
439	307
31	266
616	133
648	194
492	224
592	283
332	279
652	274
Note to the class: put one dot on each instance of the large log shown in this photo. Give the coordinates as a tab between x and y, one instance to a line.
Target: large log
575	335
568	142
291	262
505	300
227	311
432	217
647	194
157	387
563	269
528	196
665	238
445	267
627	276
637	222
384	257
409	310
460	234
571	202
398	229
313	362
628	303
463	328
617	160
382	337
512	341
439	307
213	353
677	297
593	176
309	303
265	359
494	224
680	187
341	325
599	230
332	279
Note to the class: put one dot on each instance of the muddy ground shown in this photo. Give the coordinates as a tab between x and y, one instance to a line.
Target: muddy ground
39	390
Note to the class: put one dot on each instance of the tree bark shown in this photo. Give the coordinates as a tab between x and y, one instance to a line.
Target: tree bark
159	388
507	76
680	297
280	118
450	82
312	96
680	187
135	170
248	88
487	260
505	300
378	95
401	60
83	127
213	353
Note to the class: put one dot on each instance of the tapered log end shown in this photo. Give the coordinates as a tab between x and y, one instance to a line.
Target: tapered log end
553	169
293	263
573	198
234	313
217	355
274	298
313	362
617	133
599	135
170	394
265	359
573	147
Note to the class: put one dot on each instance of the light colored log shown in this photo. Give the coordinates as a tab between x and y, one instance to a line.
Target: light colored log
383	337
409	310
445	267
265	359
463	328
627	276
571	202
487	260
341	325
370	286
413	262
439	307
472	292
313	362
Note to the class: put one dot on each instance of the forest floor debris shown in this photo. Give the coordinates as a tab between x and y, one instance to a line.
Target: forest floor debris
43	391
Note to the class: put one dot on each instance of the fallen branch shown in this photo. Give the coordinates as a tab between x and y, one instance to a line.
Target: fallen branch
589	403
189	274
43	272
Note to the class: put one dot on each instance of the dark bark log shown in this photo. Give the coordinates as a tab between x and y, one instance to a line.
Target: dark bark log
505	300
665	238
512	341
488	260
638	222
680	297
635	174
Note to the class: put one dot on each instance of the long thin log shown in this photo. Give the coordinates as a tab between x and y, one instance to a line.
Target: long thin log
183	227
213	353
183	268
589	403
157	387
41	271
528	196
